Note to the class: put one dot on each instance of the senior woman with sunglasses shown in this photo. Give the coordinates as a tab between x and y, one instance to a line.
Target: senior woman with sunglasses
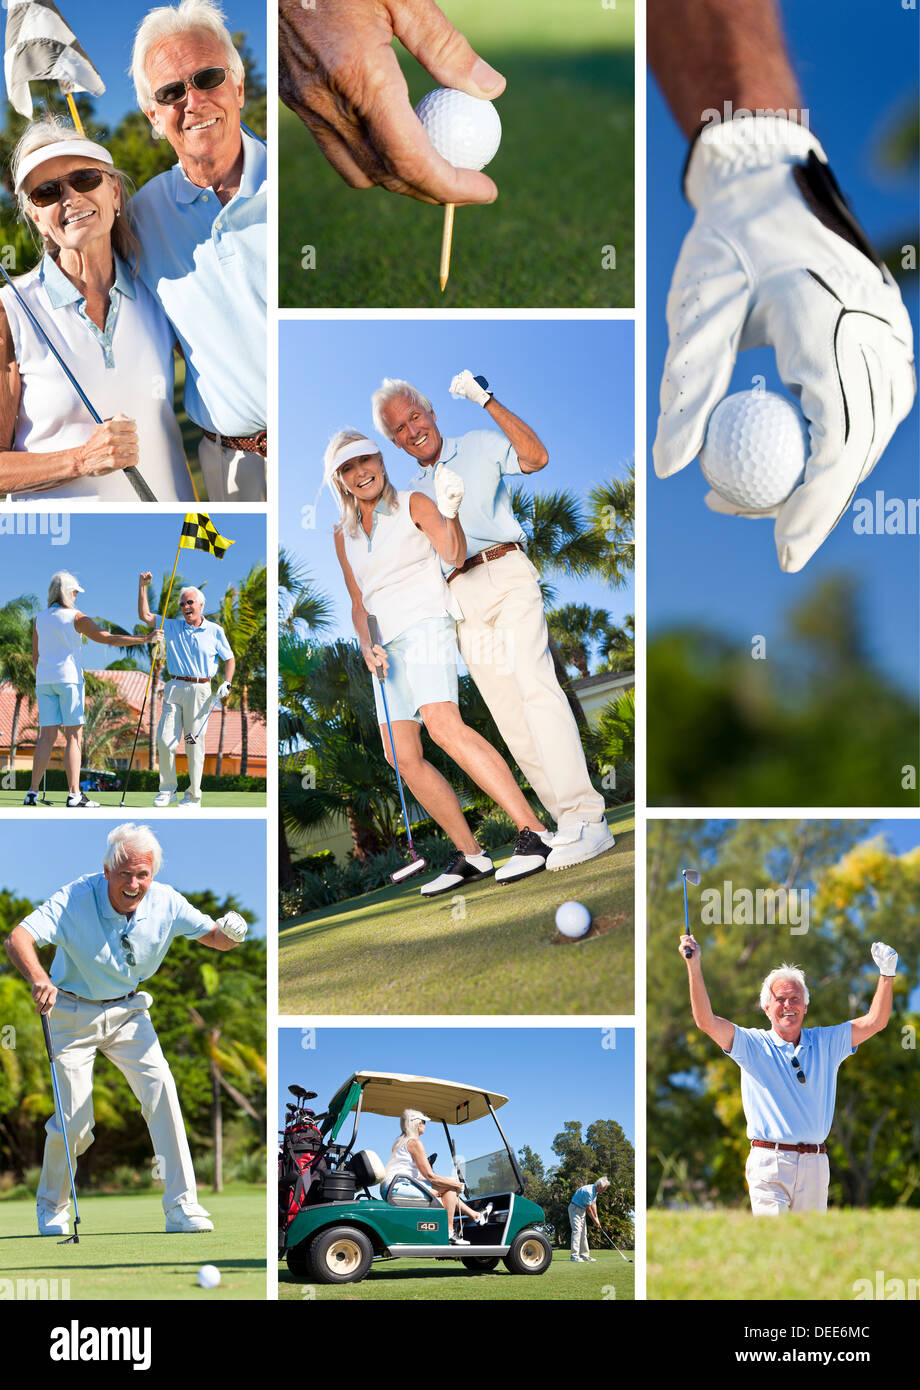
111	335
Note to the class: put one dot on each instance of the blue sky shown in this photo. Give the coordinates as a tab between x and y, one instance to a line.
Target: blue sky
572	382
225	856
550	1075
857	73
107	553
106	33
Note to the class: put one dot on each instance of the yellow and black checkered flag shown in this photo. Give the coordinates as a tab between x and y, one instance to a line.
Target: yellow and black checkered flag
200	533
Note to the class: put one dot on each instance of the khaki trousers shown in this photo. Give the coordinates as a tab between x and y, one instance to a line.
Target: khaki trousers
183	710
231	475
124	1034
504	641
578	1221
781	1181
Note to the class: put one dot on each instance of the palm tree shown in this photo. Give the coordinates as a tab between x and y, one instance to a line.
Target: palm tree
620	646
109	726
300	604
243	619
16	619
576	628
613	517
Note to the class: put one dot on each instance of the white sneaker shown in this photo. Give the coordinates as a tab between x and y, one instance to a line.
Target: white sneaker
165	799
528	856
461	870
574	846
190	1218
458	1240
82	800
576	1259
53	1223
483	1216
189	800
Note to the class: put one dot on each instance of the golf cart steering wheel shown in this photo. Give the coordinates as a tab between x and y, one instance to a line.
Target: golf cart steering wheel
432	1159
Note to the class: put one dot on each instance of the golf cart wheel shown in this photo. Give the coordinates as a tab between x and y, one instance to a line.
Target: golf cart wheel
480	1264
530	1253
341	1255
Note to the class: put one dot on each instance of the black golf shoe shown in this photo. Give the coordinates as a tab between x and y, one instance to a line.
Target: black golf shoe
462	869
528	856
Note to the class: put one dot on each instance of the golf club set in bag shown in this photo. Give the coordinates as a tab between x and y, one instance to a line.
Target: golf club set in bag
300	1153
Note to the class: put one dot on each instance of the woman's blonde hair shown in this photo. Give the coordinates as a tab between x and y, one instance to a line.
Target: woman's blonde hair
51	130
410	1120
347	503
62	589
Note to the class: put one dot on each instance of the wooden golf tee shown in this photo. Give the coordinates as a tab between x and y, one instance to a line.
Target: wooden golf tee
446	242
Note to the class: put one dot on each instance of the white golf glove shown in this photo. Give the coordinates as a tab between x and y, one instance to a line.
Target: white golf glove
471	388
885	957
448	491
223	691
233	926
775	257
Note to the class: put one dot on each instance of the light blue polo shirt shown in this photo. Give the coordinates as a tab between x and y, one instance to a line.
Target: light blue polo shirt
584	1196
482	458
194	651
62	292
206	263
90	959
776	1105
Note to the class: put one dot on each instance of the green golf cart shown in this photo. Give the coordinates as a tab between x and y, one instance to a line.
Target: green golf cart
342	1228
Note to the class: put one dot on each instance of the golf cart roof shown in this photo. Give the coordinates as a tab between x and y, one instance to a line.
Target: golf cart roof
390	1093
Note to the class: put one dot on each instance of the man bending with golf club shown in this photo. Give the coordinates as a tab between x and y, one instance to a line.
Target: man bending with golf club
111	931
194	648
582	1206
788	1078
502	632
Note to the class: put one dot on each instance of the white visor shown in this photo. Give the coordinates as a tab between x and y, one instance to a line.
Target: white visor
86	149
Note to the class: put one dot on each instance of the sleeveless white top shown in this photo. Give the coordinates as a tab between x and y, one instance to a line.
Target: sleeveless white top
401	1164
398	571
139	385
60	648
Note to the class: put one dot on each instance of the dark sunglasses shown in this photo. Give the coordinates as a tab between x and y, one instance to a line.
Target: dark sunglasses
797	1068
126	944
80	181
205	80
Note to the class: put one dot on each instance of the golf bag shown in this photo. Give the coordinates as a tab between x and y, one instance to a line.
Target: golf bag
299	1166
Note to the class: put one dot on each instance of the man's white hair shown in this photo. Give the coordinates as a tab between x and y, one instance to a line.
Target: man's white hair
62	589
201	16
129	839
785	972
602	1183
387	391
190	589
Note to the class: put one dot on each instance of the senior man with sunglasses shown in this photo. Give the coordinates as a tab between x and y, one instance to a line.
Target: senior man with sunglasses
202	228
194	647
111	931
789	1078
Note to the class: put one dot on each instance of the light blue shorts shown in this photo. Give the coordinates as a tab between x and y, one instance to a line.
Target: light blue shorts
403	1193
59	704
422	669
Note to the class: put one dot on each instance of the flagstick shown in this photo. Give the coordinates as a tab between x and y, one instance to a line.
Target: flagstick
446	242
73	111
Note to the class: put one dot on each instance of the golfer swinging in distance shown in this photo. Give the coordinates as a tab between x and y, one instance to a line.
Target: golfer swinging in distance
111	931
789	1078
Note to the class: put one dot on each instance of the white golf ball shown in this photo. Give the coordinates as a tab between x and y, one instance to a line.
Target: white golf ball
755	449
466	131
209	1276
572	919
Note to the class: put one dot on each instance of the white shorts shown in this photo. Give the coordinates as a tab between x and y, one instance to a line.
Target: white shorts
422	670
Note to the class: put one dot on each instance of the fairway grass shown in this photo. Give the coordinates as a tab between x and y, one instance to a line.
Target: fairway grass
609	1279
124	1252
486	950
728	1255
210	801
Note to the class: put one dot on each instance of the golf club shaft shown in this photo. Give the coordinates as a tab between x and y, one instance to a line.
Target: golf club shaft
373	631
49	1047
132	474
688	950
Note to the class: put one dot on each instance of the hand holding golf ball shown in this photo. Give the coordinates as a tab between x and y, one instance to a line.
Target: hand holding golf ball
463	129
233	926
754	453
448	489
467	387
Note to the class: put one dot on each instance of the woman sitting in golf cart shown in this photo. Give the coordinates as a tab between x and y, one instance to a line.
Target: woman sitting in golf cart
409	1177
388	544
108	330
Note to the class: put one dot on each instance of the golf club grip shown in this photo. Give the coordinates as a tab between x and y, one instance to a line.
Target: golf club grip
139	485
688	952
373	632
46	1029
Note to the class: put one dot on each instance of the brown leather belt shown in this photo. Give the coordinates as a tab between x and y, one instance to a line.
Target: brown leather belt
120	1000
249	443
194	680
793	1148
493	553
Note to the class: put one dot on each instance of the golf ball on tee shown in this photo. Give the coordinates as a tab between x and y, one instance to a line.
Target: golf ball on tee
465	130
572	919
755	449
209	1276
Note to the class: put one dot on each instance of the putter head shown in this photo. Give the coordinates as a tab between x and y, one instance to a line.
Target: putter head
416	867
75	1238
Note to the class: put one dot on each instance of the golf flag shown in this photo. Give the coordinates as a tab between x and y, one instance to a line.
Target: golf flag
200	533
41	47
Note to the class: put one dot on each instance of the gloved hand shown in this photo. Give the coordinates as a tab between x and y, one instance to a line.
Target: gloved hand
775	257
223	691
233	926
471	388
885	957
448	490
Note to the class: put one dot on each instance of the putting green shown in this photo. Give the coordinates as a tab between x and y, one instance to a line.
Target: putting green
124	1252
253	801
564	174
487	950
609	1279
726	1255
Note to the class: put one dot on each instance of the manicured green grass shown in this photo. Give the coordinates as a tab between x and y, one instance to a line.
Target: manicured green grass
564	174
729	1255
610	1279
253	801
488	950
124	1252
